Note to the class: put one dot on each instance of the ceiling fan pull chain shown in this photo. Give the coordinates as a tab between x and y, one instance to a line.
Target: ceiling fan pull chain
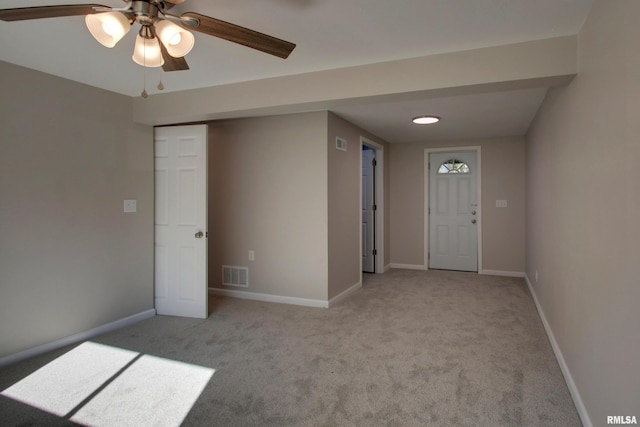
144	83
160	85
144	71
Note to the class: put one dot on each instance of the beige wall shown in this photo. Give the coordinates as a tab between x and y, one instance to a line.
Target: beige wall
503	229
268	193
344	204
509	67
70	259
278	186
583	208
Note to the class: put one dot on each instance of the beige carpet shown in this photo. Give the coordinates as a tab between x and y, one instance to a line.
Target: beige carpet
411	348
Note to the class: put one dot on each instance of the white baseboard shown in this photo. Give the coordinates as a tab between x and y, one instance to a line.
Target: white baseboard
345	294
386	268
270	298
575	394
409	266
76	338
503	273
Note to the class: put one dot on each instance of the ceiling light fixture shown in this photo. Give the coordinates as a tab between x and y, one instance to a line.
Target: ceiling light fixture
155	33
426	120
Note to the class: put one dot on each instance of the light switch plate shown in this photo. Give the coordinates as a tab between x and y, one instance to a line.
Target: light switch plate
501	203
130	206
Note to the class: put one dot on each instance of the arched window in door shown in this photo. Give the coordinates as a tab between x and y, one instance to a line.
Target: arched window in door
454	166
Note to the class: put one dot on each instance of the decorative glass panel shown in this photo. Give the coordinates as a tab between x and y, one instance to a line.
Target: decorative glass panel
454	166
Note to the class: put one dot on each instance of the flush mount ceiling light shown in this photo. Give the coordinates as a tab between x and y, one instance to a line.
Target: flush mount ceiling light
426	120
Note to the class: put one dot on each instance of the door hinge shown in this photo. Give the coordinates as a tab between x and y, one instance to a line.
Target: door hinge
374	162
374	207
374	252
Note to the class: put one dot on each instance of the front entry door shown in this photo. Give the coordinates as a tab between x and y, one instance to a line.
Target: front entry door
181	221
453	211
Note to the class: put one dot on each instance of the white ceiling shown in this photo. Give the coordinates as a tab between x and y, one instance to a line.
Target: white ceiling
329	34
463	117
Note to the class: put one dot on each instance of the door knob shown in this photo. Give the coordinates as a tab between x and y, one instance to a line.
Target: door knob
473	221
199	235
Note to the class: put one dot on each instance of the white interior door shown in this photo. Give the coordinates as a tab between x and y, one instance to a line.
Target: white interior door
181	221
368	210
453	211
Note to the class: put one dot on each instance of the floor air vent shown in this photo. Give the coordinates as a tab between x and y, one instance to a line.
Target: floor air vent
235	276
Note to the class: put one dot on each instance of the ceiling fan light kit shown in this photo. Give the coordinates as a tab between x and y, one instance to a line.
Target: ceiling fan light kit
109	27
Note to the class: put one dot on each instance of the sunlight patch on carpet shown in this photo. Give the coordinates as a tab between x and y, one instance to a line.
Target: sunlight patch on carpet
151	392
64	383
100	385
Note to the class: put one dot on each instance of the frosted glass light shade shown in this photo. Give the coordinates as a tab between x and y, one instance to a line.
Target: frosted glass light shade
176	39
147	52
425	120
107	28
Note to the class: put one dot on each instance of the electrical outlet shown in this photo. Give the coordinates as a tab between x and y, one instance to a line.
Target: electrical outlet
536	276
252	256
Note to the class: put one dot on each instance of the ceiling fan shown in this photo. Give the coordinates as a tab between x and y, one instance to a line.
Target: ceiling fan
163	39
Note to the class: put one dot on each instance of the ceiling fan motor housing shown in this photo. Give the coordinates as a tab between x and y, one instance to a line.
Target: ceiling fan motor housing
146	13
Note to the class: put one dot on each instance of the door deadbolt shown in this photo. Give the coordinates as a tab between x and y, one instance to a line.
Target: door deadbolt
473	221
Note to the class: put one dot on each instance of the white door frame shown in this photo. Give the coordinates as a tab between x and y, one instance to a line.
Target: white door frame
379	183
427	153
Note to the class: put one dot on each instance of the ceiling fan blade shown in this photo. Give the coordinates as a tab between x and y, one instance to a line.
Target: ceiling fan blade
171	63
241	35
25	13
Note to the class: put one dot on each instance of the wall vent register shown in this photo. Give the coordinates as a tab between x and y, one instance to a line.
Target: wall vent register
235	276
